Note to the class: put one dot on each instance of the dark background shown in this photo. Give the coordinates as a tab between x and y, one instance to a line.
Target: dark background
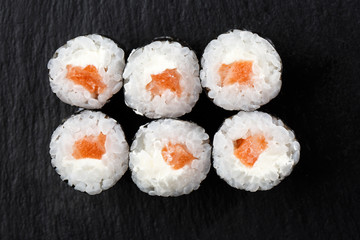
319	46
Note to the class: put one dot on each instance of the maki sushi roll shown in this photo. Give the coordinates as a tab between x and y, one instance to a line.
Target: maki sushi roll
169	157
87	71
162	80
89	151
241	71
254	151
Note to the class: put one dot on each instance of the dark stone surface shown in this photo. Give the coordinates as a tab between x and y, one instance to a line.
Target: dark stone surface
318	44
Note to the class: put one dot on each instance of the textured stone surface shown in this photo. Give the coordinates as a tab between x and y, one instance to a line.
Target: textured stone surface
318	43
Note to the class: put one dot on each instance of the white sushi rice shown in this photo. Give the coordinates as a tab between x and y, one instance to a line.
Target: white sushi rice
82	51
235	46
274	163
149	170
154	59
89	175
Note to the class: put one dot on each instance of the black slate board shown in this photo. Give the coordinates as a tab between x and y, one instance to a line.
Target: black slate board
318	44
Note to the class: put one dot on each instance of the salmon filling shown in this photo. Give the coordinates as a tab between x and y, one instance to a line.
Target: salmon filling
167	80
237	72
90	147
248	150
88	77
176	155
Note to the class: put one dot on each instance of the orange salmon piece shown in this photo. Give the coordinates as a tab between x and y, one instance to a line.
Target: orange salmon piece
248	150
169	79
90	147
88	77
236	72
176	155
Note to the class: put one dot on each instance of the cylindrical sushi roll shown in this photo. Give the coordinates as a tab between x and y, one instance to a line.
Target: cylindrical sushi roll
87	71
169	157
89	150
254	151
241	71
162	80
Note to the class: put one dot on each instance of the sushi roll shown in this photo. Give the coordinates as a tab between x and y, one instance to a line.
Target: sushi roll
169	157
162	80
87	71
89	151
241	71
254	151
